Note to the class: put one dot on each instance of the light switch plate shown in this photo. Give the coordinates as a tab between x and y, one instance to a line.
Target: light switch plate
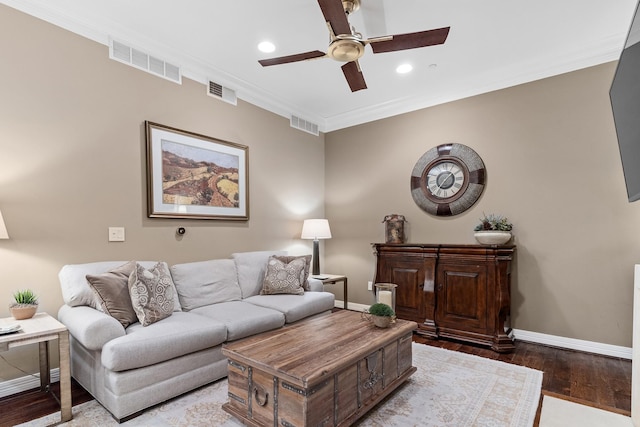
116	234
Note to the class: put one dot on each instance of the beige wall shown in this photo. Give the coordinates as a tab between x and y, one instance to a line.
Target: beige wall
72	163
553	169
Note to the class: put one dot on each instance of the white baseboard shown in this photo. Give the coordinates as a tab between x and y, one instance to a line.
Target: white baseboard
352	306
551	340
28	382
574	344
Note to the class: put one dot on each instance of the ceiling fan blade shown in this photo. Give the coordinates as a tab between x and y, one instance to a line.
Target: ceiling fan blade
292	58
411	40
354	76
334	14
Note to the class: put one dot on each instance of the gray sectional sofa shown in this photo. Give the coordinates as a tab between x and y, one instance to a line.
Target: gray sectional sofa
130	369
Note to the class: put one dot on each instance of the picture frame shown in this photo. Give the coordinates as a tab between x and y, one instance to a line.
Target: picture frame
195	176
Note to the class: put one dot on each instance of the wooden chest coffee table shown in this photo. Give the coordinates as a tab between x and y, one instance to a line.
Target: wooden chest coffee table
325	371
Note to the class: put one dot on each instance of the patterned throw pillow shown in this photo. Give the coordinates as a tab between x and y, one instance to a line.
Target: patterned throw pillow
307	259
151	293
284	278
112	290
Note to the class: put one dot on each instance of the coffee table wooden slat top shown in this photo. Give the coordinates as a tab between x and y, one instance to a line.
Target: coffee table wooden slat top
308	352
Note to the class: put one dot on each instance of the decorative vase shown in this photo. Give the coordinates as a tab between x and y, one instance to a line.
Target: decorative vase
394	228
381	321
23	311
492	237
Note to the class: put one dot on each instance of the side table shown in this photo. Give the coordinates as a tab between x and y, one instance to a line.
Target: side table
41	329
332	279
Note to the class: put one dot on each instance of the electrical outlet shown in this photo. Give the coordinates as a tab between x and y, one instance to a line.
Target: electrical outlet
116	234
369	285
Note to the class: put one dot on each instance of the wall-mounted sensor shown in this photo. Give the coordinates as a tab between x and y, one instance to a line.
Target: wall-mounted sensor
180	231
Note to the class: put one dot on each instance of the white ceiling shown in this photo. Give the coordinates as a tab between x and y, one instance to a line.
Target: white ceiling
492	44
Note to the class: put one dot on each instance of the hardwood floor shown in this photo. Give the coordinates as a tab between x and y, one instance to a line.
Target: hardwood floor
599	381
32	404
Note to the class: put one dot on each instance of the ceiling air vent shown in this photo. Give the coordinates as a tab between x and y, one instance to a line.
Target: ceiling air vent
304	125
218	91
144	61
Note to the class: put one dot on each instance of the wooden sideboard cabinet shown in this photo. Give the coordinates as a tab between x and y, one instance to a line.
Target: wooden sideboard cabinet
452	291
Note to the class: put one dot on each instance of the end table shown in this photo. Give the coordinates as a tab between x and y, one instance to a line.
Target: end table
41	329
332	279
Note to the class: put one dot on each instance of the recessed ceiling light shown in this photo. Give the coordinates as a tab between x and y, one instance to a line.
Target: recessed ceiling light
404	68
266	47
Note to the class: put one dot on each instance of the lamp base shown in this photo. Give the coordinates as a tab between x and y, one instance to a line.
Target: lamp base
315	269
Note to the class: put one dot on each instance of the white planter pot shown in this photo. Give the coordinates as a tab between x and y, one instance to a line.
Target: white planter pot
492	237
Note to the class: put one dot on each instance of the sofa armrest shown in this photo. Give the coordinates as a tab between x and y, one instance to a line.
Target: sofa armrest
315	285
92	328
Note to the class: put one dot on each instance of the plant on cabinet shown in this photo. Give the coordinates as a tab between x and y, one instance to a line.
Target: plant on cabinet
493	230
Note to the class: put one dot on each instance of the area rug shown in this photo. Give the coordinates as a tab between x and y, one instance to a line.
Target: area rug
449	389
563	413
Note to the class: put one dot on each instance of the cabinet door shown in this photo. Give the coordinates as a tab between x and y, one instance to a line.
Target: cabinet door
408	273
462	297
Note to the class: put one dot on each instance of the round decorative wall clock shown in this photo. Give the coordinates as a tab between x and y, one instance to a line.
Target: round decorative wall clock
448	179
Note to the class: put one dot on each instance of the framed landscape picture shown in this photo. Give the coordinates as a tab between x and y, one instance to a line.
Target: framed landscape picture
195	176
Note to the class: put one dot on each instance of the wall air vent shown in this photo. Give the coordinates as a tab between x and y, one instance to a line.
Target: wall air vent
144	61
218	91
304	125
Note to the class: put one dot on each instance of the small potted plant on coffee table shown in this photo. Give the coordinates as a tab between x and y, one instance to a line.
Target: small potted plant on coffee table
25	305
493	230
381	315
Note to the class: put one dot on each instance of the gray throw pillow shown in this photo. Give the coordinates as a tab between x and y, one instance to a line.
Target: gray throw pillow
283	278
152	293
307	259
112	291
251	267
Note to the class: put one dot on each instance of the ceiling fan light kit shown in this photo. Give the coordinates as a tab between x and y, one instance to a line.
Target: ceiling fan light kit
347	45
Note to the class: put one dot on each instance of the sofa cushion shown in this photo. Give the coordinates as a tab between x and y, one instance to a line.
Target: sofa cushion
251	267
151	293
112	292
307	267
295	307
206	282
177	335
242	319
284	277
76	290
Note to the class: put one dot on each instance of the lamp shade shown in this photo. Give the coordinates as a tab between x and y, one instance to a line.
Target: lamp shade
316	229
3	229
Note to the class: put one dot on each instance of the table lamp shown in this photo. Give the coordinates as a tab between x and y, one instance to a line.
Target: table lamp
3	229
316	229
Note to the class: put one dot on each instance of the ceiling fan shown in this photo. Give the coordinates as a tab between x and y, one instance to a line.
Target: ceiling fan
347	45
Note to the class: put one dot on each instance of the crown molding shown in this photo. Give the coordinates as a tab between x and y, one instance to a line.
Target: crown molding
608	49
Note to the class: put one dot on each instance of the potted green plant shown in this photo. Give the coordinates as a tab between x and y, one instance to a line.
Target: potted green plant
25	305
381	314
493	230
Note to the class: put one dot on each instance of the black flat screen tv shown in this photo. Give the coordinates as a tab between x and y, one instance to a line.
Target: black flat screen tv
625	103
